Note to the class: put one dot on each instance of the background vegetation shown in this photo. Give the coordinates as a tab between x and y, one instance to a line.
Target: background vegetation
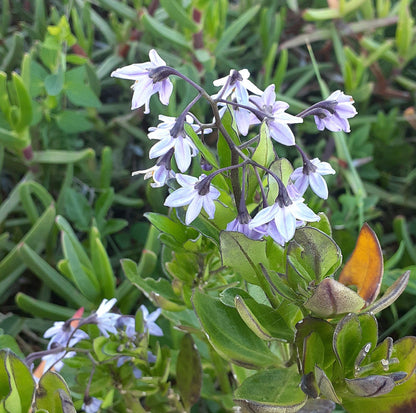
70	210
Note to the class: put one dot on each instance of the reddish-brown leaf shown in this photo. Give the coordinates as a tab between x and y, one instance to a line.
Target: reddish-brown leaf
364	269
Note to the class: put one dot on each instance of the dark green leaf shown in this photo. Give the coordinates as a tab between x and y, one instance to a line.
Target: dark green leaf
188	372
229	335
271	391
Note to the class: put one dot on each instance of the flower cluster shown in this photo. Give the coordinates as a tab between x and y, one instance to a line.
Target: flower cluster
65	335
249	106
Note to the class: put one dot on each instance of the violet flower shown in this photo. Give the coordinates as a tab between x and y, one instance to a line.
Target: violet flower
106	322
236	83
285	212
311	175
149	321
91	404
241	224
173	136
64	334
161	172
276	119
197	193
150	78
336	109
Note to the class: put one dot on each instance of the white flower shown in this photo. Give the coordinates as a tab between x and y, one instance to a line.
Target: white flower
184	148
149	78
311	175
106	321
159	173
64	334
236	83
196	193
276	119
149	321
339	108
91	404
285	212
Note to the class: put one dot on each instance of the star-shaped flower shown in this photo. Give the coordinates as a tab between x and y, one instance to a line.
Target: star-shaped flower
197	193
337	108
173	136
311	175
285	213
276	118
150	78
236	83
149	321
106	321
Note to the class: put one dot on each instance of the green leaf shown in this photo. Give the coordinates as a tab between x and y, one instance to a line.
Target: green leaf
242	254
81	95
54	83
264	321
51	277
102	265
9	342
64	226
325	330
160	291
71	121
203	149
35	238
313	254
264	153
18	386
42	309
331	298
24	101
164	224
271	391
231	32
78	209
53	394
351	334
84	279
177	13
57	156
229	335
161	30
188	372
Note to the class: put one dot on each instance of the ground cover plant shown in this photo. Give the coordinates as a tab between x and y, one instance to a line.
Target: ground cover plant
249	269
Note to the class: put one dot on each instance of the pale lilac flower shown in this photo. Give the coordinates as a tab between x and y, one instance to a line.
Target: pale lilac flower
236	83
173	136
149	321
241	224
91	404
311	175
276	119
243	117
64	334
161	172
150	78
130	326
285	212
336	109
55	359
106	322
197	193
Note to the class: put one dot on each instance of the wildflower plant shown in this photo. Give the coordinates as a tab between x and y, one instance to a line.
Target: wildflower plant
245	253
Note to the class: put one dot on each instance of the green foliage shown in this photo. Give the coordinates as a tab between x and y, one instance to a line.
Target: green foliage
69	210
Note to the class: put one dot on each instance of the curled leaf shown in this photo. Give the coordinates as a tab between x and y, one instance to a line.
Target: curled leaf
331	298
370	386
391	295
364	269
